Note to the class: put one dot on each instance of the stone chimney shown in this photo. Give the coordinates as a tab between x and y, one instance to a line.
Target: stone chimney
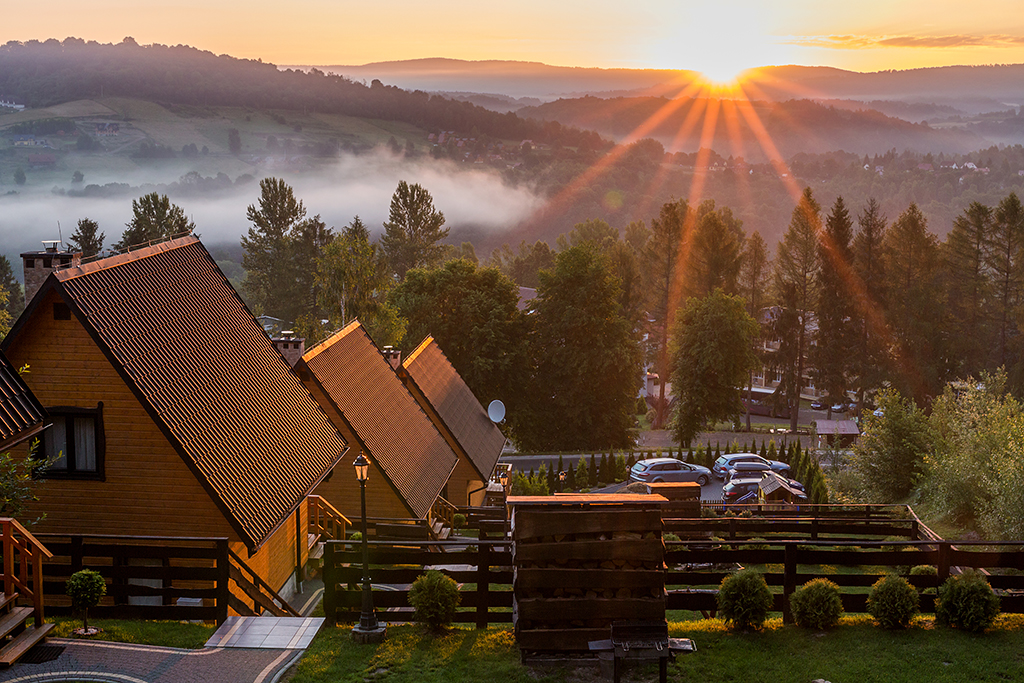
290	346
393	356
39	264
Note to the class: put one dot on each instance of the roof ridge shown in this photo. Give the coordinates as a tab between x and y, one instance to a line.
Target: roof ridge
332	340
420	349
120	259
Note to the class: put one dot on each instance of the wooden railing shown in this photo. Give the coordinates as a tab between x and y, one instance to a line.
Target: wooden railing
325	521
444	511
148	577
834	528
23	550
264	598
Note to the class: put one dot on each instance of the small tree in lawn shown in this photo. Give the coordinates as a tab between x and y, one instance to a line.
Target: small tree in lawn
85	588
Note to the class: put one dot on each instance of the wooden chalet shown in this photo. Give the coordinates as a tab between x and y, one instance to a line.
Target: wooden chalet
173	414
450	404
410	461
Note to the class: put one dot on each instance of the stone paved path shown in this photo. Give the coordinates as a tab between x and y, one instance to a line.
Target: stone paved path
125	663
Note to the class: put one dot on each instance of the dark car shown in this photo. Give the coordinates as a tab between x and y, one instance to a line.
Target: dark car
819	404
668	469
725	463
744	490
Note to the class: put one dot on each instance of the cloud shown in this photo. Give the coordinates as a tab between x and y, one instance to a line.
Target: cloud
855	42
356	185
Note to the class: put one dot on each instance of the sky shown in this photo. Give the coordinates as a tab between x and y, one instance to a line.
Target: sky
718	38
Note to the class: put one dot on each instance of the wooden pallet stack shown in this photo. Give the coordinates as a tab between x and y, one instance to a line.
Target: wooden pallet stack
582	562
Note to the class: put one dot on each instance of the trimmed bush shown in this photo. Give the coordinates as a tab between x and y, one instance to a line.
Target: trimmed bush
817	604
435	597
744	599
755	543
893	602
85	588
966	602
459	520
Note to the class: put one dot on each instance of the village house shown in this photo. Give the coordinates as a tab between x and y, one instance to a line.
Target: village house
173	413
460	418
410	462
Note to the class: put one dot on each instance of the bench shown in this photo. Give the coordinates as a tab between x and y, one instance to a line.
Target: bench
641	641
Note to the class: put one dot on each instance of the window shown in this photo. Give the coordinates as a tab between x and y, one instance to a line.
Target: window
74	446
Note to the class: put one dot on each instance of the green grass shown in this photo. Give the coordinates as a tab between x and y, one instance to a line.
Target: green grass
167	633
855	651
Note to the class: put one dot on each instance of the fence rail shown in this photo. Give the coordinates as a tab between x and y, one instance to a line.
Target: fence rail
695	569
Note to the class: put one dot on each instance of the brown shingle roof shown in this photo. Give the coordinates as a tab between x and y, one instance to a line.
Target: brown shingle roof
183	340
400	437
453	400
21	415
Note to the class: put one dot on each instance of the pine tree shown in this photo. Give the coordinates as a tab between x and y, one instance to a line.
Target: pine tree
581	478
414	230
968	284
1003	256
592	473
868	360
87	238
154	217
836	335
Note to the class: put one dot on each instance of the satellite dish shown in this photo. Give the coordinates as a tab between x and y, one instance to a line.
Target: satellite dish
496	411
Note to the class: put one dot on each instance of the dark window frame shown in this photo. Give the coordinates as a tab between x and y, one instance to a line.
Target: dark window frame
69	413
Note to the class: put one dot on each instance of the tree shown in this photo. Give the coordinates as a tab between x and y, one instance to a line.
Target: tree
967	285
414	230
14	302
19	176
234	141
472	313
77	177
664	249
796	272
753	285
587	363
715	255
1004	256
914	309
85	238
836	337
5	316
281	249
869	358
154	217
889	457
524	265
711	360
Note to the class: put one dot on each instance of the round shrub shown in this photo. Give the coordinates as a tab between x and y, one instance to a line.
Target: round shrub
924	570
435	597
459	521
893	602
744	599
85	588
967	602
817	604
755	543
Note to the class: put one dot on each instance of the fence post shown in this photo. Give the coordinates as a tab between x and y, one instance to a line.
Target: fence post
76	554
330	586
814	528
943	565
789	582
483	568
223	590
915	532
732	528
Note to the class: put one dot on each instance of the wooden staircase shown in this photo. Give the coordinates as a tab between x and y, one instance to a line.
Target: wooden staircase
22	576
16	636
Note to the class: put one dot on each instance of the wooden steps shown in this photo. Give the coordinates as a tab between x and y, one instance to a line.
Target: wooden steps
16	636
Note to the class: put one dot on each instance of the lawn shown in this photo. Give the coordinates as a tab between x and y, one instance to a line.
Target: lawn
855	651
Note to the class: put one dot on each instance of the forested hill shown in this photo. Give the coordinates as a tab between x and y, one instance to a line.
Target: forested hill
40	74
793	126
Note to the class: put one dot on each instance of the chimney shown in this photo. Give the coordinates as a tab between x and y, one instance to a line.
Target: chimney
393	356
290	346
39	264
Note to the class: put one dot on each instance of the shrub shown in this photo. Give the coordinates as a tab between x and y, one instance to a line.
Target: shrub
744	599
435	597
817	604
893	601
670	537
85	588
967	602
924	570
755	544
459	521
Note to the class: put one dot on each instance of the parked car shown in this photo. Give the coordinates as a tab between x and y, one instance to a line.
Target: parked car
740	470
668	469
744	490
725	463
819	404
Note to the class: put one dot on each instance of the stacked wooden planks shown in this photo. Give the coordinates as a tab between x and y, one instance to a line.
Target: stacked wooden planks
582	562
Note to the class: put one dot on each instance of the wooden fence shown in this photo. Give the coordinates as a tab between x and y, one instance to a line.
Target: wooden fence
146	575
695	569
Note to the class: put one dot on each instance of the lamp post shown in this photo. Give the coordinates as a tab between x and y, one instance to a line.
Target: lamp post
367	630
503	478
561	481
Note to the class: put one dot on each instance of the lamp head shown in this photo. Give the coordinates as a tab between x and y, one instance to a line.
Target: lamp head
362	466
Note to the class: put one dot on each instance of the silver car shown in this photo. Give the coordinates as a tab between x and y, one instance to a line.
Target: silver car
668	469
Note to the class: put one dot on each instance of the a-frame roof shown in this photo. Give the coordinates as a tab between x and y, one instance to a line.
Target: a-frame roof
179	335
454	402
21	415
398	434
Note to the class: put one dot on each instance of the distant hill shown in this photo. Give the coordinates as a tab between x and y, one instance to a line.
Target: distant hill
793	126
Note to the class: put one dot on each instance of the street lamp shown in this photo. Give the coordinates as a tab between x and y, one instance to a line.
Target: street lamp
561	481
367	630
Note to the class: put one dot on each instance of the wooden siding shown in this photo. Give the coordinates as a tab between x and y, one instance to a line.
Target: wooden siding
275	559
148	489
341	488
